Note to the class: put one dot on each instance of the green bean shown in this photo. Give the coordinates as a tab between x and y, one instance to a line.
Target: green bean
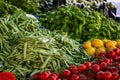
45	63
24	51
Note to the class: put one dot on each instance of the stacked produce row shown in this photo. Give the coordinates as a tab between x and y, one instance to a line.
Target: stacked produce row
73	44
104	67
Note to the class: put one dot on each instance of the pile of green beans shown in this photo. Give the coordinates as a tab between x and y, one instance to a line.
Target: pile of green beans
26	49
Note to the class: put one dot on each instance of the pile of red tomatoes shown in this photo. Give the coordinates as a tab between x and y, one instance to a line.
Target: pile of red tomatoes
106	66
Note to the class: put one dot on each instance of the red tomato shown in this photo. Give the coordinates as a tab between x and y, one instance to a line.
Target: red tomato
7	76
58	79
107	75
103	65
117	51
87	64
99	75
52	78
111	60
74	77
73	69
119	65
102	54
48	72
110	64
44	76
111	54
55	74
36	76
82	68
107	60
115	76
115	58
95	68
66	73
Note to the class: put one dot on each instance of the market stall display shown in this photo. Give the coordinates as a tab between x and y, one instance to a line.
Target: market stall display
103	67
41	40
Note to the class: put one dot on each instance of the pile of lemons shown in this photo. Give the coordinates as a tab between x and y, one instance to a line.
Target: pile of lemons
96	46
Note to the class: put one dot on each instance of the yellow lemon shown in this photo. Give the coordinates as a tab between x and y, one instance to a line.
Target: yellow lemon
115	42
87	44
97	43
110	44
110	48
118	44
90	51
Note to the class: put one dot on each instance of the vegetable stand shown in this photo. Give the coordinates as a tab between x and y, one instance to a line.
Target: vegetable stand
65	42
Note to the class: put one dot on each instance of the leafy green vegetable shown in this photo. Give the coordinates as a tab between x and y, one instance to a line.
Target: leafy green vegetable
80	24
7	9
29	6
